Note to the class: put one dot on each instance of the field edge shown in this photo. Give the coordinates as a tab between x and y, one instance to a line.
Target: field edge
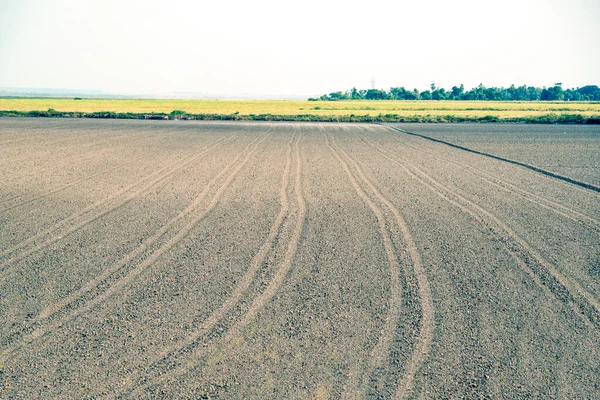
550	118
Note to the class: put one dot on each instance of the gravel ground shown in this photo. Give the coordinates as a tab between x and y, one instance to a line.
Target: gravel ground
569	150
180	259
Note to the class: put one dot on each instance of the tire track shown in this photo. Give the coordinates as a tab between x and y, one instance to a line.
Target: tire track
64	187
86	157
77	151
159	176
427	323
11	198
244	283
561	287
521	164
355	387
145	263
283	270
495	181
97	204
261	300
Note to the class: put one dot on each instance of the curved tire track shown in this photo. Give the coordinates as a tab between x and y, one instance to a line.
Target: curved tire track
244	283
261	300
121	282
541	201
163	174
427	323
290	253
507	160
355	387
562	288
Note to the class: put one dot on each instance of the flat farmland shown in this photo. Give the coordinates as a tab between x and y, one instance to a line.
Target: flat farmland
297	260
401	108
556	148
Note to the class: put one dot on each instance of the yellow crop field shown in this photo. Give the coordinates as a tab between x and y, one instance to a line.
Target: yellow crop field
297	107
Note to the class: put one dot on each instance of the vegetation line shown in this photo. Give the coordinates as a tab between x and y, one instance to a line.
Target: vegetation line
521	164
550	118
479	93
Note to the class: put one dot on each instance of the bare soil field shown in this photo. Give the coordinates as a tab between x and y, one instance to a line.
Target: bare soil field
568	151
185	259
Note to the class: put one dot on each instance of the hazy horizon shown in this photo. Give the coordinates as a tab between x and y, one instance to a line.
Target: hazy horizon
266	48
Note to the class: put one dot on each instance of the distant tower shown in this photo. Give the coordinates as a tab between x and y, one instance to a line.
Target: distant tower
372	83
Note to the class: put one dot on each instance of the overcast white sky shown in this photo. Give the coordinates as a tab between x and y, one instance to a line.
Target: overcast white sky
258	47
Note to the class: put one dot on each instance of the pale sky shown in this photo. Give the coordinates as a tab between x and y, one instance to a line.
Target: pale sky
286	48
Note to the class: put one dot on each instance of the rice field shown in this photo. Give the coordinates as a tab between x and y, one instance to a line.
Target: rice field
471	109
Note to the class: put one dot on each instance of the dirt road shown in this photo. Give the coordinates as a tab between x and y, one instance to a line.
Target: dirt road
281	260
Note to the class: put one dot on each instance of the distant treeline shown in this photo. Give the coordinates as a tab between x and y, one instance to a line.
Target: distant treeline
479	93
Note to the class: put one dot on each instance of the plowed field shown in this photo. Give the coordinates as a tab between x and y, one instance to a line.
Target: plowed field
279	260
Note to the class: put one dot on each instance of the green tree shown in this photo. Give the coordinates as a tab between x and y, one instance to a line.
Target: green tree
439	94
356	94
335	96
520	93
457	92
425	95
552	94
402	94
589	92
376	94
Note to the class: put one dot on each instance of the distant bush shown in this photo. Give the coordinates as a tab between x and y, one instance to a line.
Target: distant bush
489	118
571	119
177	112
77	98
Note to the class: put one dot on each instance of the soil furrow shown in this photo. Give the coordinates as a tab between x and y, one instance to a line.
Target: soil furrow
259	302
548	204
244	283
427	323
159	177
93	155
45	314
64	187
358	380
12	142
235	259
175	239
100	142
562	287
521	164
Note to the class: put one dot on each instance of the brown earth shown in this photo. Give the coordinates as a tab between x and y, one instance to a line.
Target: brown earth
279	260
